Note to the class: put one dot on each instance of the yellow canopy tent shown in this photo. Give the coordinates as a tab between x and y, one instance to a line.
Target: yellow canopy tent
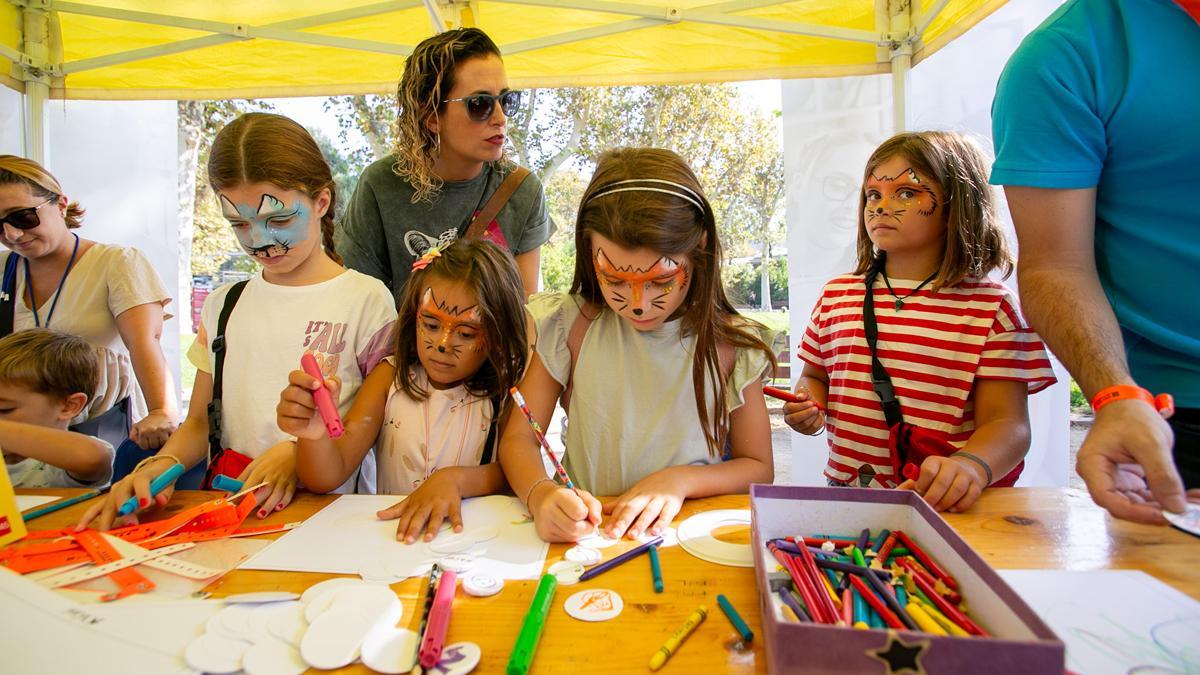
184	49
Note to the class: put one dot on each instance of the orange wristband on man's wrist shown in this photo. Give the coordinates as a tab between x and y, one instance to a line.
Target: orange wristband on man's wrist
1163	403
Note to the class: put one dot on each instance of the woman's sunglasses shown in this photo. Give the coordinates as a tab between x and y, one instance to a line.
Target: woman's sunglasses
481	106
26	218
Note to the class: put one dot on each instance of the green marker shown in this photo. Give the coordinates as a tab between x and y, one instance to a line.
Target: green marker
531	630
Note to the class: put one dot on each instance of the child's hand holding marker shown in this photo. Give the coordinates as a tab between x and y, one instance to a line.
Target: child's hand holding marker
562	514
277	468
948	483
104	513
297	412
801	410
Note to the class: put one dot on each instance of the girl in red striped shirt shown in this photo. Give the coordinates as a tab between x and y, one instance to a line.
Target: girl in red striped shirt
954	352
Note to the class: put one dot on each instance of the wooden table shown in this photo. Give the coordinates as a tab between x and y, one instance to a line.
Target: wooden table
1018	528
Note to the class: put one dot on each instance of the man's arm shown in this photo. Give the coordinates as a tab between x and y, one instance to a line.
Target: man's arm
1064	302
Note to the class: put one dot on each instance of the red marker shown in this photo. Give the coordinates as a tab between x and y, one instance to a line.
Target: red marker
325	405
439	620
788	396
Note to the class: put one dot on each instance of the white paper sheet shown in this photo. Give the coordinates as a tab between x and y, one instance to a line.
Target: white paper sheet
1115	621
343	536
26	502
44	632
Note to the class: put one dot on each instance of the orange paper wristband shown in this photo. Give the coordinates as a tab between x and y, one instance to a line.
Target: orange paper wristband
1163	403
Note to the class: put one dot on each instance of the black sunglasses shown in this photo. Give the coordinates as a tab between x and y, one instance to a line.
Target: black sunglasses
26	218
481	106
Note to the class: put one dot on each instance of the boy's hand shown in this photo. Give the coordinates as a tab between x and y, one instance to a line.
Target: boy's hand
437	499
948	483
297	413
104	511
805	417
649	506
277	468
560	515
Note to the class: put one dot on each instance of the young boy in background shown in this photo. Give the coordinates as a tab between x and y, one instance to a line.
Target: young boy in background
46	379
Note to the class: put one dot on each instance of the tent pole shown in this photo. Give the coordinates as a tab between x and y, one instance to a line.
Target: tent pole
900	12
35	23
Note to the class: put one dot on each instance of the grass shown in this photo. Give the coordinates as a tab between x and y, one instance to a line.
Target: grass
187	372
775	320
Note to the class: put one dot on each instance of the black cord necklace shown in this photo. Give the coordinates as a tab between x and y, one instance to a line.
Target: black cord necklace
900	300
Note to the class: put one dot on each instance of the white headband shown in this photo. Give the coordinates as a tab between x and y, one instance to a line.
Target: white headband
690	195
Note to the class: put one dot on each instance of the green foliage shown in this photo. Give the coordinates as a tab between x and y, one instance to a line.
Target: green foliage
743	282
1079	403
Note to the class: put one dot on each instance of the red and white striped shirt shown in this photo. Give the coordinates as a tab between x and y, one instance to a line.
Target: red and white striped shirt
934	349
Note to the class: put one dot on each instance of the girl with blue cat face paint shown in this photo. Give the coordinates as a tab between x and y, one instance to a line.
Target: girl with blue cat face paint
276	190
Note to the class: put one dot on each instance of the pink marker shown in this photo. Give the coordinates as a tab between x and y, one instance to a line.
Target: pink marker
439	619
325	406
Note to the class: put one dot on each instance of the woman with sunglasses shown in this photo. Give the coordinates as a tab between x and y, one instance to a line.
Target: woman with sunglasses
448	173
109	295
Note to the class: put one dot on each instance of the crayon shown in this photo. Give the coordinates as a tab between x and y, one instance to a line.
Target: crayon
674	642
734	618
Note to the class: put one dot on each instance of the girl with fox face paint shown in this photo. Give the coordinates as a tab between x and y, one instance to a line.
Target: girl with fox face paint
660	377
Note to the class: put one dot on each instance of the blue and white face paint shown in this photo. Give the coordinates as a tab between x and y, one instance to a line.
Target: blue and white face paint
269	230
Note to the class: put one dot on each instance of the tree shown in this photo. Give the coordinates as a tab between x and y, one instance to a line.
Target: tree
560	133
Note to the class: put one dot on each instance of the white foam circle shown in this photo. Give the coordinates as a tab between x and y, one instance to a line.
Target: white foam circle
459	658
594	604
451	542
288	624
584	555
273	657
458	562
215	654
597	540
323	587
390	650
695	537
567	573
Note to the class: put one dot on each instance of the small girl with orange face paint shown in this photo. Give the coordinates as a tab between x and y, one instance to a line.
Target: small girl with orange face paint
432	408
660	377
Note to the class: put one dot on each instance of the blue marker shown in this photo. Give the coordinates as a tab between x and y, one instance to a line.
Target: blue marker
156	486
227	484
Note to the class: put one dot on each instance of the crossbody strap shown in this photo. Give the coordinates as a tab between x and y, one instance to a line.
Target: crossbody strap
880	379
8	292
487	214
218	347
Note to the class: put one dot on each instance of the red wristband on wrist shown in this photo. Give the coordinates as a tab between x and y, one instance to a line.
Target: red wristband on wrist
1163	403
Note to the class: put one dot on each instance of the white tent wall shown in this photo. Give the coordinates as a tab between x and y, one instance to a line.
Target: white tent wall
830	127
119	161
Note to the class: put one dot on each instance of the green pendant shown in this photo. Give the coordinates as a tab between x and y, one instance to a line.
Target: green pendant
899	304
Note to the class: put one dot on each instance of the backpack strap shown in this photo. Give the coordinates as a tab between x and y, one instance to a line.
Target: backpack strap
8	292
489	445
479	224
214	405
579	328
879	376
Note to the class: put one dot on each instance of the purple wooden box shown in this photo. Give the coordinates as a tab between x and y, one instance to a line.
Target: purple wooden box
1021	642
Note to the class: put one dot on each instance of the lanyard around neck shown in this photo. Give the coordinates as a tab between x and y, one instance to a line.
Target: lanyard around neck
33	306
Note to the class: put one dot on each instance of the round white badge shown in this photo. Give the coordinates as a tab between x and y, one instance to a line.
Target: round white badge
482	585
459	658
583	555
389	650
596	604
566	572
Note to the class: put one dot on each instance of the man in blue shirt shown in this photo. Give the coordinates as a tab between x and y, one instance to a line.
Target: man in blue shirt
1097	130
